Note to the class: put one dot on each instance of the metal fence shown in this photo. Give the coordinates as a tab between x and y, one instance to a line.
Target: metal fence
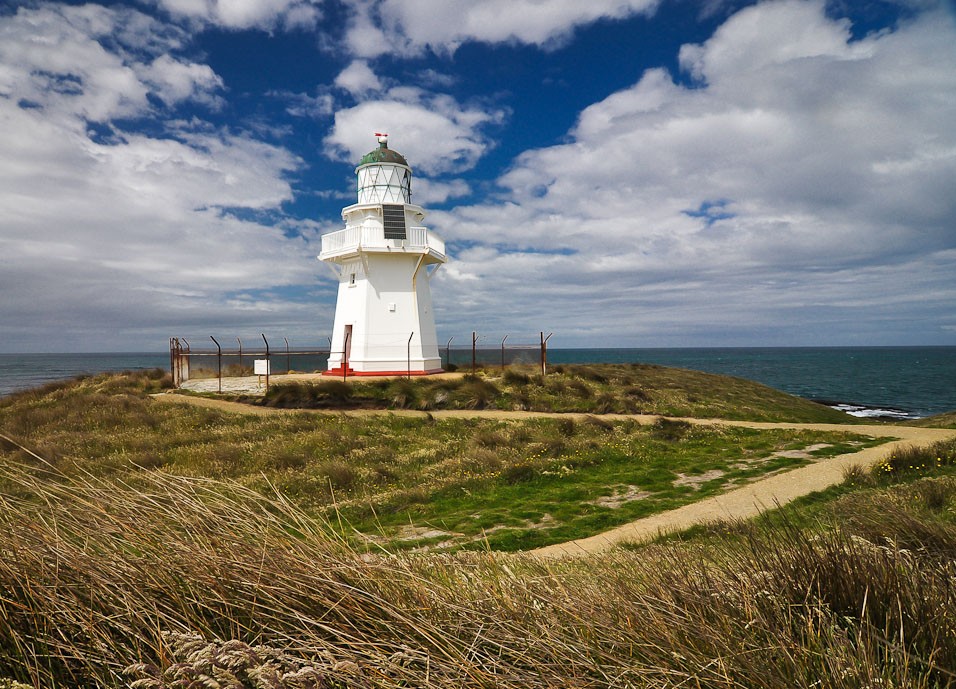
186	360
216	361
490	351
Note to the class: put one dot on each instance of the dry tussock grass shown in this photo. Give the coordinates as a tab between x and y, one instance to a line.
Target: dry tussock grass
190	582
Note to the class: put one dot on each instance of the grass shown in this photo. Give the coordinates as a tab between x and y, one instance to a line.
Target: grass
912	490
149	545
400	482
947	420
548	491
186	582
595	389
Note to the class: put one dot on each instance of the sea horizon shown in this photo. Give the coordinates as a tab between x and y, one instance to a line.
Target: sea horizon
903	381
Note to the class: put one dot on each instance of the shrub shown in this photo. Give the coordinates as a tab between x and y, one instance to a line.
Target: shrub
567	427
857	476
335	390
516	377
935	494
340	475
290	458
290	395
592	373
518	473
599	423
580	389
476	393
481	461
605	404
491	438
637	393
405	394
671	430
325	393
912	461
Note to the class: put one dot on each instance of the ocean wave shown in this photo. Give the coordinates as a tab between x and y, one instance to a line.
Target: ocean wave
865	412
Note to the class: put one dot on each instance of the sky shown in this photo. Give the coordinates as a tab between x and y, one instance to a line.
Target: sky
628	173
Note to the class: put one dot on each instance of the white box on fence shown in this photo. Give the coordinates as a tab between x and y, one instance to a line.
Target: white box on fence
261	367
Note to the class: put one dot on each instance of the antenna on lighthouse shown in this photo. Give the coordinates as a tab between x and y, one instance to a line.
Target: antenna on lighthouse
382	138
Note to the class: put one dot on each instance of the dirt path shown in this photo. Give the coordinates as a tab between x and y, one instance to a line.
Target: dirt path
740	503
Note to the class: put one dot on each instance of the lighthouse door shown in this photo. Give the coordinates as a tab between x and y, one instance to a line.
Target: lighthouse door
347	346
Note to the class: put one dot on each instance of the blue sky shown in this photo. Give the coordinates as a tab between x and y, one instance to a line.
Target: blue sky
618	172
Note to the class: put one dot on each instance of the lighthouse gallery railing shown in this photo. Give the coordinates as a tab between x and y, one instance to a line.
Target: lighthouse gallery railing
351	238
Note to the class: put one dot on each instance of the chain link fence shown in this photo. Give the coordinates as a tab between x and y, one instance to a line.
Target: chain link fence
187	361
190	362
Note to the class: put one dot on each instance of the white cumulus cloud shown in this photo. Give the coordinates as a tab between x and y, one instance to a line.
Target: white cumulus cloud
802	173
102	224
434	132
358	78
246	14
409	26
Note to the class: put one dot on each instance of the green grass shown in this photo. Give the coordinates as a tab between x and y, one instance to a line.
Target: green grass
185	581
594	389
947	420
210	569
543	493
406	482
911	490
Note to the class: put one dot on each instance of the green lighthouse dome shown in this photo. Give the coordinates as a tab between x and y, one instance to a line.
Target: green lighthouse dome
383	154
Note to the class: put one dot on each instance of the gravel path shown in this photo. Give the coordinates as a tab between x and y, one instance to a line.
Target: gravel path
740	503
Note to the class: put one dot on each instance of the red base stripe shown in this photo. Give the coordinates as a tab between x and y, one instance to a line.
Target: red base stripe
358	374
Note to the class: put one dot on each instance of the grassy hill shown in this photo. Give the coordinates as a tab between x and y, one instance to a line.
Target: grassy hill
595	389
401	482
114	574
947	420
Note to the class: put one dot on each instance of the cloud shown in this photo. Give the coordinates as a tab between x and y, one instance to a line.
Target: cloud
358	78
410	26
173	81
246	14
106	224
430	191
802	169
437	134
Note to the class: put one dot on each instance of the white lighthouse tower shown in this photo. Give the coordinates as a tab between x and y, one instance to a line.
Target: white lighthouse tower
384	260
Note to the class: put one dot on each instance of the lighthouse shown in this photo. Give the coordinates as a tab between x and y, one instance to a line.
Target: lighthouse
384	260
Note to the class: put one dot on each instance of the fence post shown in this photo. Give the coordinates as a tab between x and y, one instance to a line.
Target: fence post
178	348
268	365
184	361
544	353
474	343
218	361
503	352
409	354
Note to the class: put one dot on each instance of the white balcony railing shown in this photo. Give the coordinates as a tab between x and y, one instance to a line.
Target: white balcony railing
352	239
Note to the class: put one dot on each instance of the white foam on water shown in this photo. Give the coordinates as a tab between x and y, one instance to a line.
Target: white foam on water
873	412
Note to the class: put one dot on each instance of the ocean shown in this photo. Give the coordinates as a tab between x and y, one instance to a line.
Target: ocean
904	382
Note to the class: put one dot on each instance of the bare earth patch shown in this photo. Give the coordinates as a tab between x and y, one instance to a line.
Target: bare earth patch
805	453
697	480
620	497
416	533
